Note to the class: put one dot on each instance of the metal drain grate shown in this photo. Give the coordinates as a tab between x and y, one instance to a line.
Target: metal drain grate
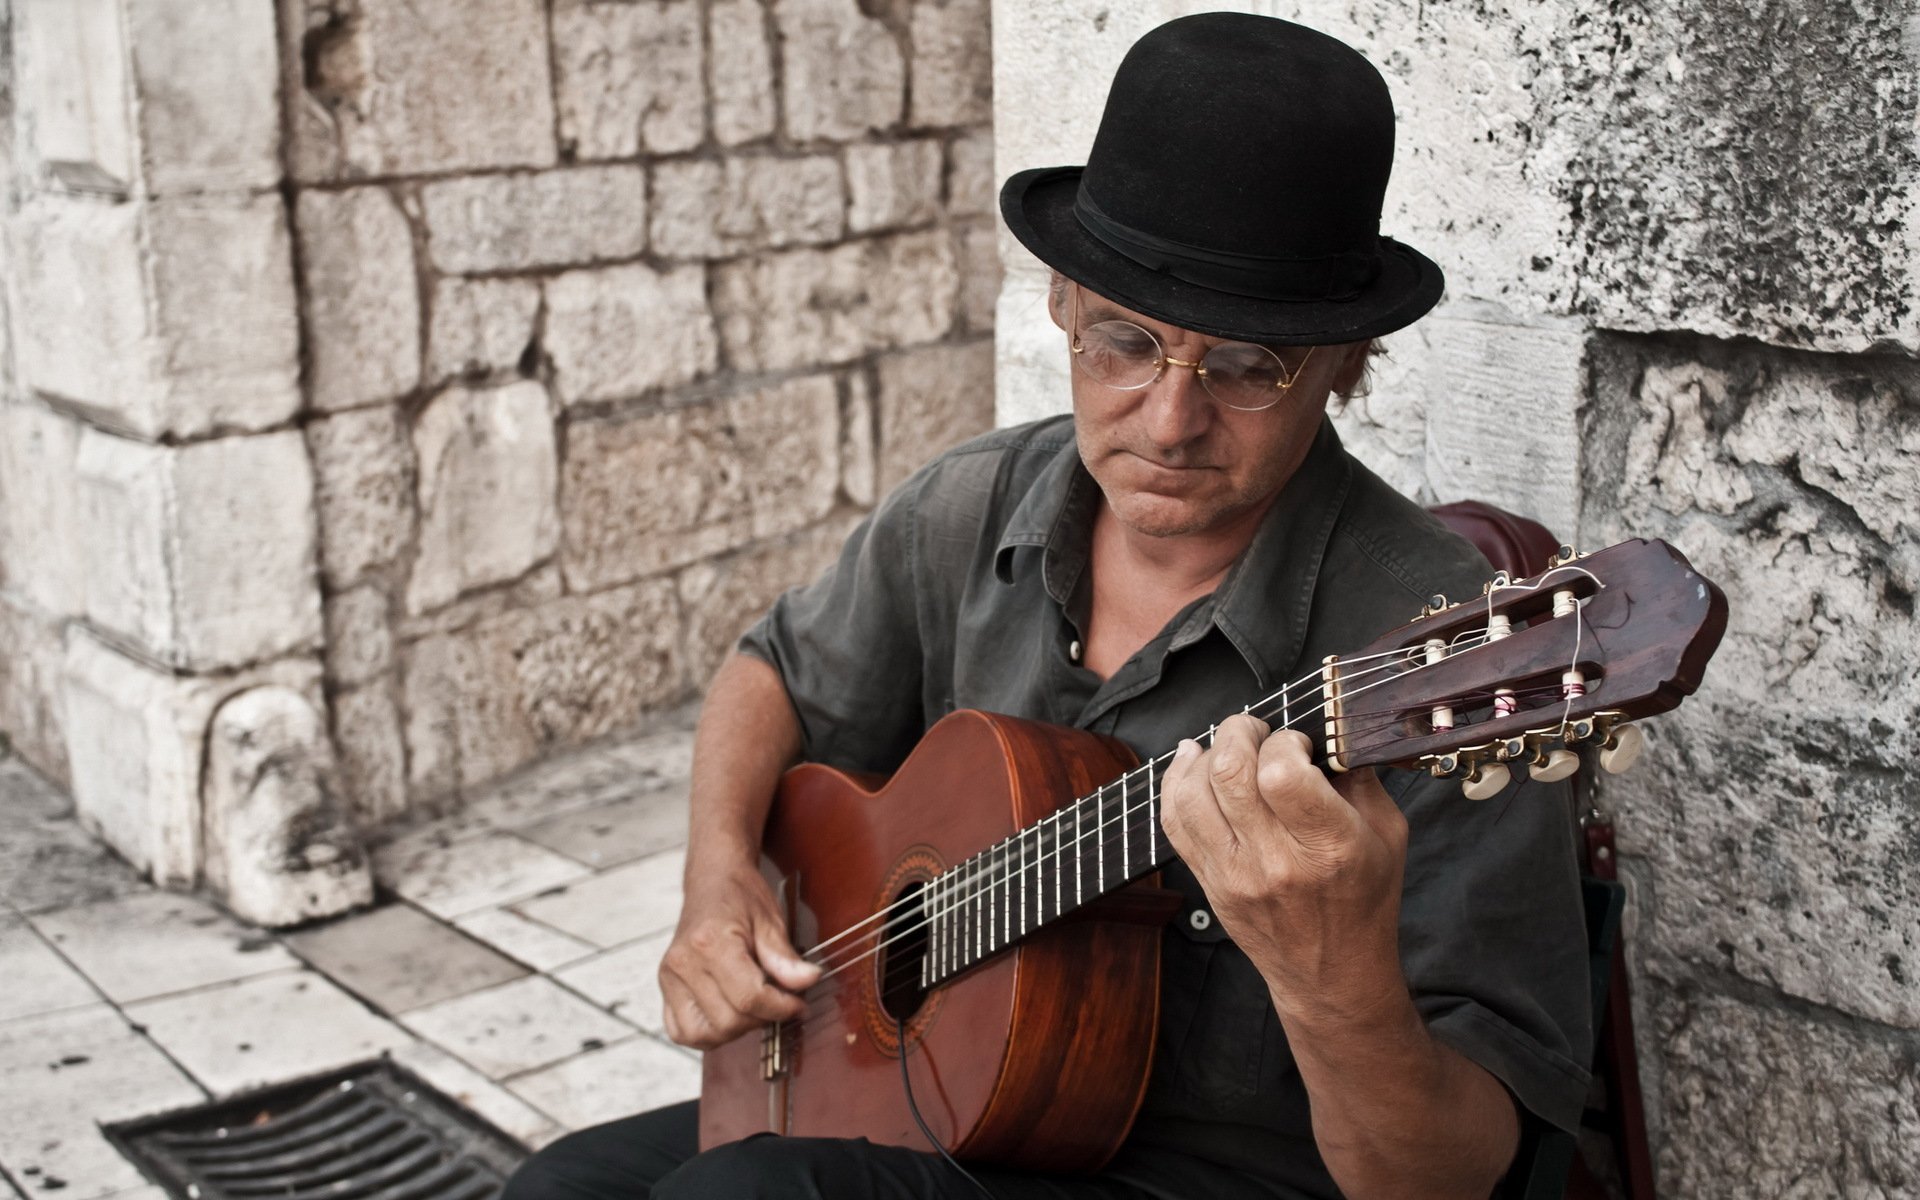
372	1132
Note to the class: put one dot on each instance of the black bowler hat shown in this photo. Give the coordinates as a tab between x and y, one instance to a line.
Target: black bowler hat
1234	189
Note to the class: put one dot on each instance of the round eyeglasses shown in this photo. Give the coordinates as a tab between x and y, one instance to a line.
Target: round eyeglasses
1124	356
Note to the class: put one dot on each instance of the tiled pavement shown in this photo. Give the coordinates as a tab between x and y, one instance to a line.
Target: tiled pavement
509	961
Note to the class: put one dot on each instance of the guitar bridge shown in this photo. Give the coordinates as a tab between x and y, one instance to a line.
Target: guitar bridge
776	1052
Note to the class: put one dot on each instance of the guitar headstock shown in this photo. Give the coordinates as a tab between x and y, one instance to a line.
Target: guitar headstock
1531	670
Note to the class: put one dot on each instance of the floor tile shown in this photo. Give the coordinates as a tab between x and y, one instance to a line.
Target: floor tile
59	1075
616	906
529	941
37	980
265	1030
516	1027
398	958
583	779
47	860
492	1103
633	1077
611	834
154	943
474	873
624	980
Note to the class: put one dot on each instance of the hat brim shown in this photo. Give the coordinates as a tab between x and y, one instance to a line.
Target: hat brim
1038	208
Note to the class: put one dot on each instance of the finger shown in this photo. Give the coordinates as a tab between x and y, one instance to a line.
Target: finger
1189	813
1362	790
1232	770
1296	791
745	987
778	960
680	1012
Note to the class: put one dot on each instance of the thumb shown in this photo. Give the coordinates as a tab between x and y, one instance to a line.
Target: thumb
777	959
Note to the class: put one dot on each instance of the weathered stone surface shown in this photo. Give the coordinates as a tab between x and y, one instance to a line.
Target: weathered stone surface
393	87
359	635
971	185
952	63
713	210
38	529
553	218
480	326
893	184
930	399
664	489
137	741
363	489
207	121
201	555
1765	1102
1779	827
621	331
30	690
487	699
843	74
278	841
979	258
363	309
535	588
486	490
858	462
373	754
81	114
629	76
722	598
80	319
741	62
805	307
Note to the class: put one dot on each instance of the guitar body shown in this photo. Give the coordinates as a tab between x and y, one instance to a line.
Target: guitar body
1037	1057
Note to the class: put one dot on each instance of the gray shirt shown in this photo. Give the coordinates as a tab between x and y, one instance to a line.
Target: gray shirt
967	588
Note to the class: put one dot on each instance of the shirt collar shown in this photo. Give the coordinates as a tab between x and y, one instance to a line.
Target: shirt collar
1263	604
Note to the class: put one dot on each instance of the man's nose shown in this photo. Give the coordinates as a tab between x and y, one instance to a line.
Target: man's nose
1176	405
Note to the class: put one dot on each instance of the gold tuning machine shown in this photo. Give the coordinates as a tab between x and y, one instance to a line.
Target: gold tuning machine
1551	766
1562	556
1486	780
1622	748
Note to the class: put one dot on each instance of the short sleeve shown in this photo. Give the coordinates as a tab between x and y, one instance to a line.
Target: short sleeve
848	645
1493	936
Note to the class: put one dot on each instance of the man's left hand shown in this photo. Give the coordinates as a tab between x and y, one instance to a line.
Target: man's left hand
1304	874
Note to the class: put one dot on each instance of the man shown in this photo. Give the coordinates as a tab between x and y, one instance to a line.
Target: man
1373	980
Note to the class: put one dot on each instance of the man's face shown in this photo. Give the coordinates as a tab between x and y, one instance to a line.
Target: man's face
1174	462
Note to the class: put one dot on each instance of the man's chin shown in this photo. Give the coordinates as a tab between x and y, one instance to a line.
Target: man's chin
1162	516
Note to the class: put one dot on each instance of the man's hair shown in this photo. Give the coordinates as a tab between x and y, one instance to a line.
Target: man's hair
1057	301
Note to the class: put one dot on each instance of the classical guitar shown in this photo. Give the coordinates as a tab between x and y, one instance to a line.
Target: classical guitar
976	927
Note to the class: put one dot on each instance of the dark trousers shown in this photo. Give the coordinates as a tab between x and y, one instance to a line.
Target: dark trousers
655	1156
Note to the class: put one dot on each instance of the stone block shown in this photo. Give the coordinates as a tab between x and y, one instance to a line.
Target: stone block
79	306
208	122
811	307
137	738
480	326
843	75
373	754
31	704
930	399
972	187
890	184
486	490
201	555
363	491
486	699
740	61
1761	1101
391	87
722	598
980	276
621	331
952	63
39	533
549	219
278	842
716	210
661	490
628	76
858	463
71	88
359	635
362	299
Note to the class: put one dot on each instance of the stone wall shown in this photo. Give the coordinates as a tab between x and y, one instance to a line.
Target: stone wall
477	370
1684	302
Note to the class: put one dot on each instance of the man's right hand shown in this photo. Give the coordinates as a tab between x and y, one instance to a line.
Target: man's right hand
731	966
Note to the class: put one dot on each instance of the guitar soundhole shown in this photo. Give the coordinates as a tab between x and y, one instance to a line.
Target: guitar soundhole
904	950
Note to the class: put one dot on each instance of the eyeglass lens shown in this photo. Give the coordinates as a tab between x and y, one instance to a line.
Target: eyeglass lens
1122	355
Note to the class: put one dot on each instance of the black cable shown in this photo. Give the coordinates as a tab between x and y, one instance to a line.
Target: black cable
906	1082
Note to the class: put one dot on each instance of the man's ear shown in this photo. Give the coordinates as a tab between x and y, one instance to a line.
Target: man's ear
1057	286
1352	367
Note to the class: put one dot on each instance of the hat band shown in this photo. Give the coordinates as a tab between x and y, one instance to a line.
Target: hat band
1334	277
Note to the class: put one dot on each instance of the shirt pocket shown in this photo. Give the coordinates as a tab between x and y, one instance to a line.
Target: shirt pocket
1220	1042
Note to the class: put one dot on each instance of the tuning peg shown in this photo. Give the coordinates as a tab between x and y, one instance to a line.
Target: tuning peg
1622	748
1554	765
1487	781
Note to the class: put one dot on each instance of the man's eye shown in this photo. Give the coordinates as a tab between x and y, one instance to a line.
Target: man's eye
1128	341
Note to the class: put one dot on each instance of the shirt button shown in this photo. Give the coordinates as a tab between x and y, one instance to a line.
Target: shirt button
1200	919
1073	651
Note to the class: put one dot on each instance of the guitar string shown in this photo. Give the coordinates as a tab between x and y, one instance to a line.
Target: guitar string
1000	855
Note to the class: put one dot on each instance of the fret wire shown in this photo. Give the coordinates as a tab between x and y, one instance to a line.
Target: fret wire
1023	883
1100	834
1126	867
1153	821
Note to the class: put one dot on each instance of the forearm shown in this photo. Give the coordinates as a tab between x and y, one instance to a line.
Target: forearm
1396	1113
746	737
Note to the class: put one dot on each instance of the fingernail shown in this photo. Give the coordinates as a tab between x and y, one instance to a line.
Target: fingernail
1186	749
